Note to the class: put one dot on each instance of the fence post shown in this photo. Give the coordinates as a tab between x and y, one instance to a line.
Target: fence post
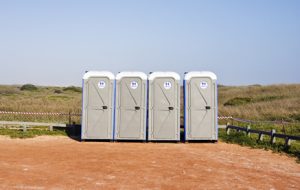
273	139
70	121
261	137
227	128
248	132
287	142
51	128
24	128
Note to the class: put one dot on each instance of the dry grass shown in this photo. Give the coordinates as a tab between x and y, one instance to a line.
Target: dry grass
44	99
273	102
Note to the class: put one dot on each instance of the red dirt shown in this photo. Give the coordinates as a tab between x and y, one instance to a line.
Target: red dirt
62	163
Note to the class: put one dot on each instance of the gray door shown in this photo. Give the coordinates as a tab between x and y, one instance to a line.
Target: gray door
131	108
99	109
165	108
201	108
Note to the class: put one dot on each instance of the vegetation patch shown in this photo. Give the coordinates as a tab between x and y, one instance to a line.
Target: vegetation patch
57	91
279	147
295	117
58	97
7	91
28	87
268	98
238	101
72	89
14	133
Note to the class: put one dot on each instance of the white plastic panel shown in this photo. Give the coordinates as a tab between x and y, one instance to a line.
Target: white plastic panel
121	75
99	74
191	74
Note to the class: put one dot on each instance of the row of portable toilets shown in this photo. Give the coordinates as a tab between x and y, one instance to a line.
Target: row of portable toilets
134	106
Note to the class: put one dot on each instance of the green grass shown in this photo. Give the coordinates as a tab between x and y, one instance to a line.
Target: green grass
243	140
30	133
286	128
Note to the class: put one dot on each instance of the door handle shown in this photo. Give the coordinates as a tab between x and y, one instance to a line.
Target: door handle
137	107
171	108
207	107
104	107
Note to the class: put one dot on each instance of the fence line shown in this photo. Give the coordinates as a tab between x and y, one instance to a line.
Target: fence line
72	114
261	134
79	114
26	125
50	117
39	113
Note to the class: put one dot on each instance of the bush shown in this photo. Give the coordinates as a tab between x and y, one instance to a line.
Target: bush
57	91
72	88
238	101
28	87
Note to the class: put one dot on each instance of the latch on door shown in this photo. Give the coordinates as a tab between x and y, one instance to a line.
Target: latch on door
104	107
171	108
137	107
207	107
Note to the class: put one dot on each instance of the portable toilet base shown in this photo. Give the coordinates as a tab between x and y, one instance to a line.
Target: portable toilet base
200	106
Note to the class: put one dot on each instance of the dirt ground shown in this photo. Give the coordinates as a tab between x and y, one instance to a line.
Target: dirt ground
63	163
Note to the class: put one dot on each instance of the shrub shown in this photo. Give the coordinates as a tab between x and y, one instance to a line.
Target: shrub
295	116
72	88
28	87
57	91
238	101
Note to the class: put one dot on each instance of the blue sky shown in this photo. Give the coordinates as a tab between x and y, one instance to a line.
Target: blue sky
243	42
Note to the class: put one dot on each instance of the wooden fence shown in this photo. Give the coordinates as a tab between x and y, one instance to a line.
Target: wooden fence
273	135
26	125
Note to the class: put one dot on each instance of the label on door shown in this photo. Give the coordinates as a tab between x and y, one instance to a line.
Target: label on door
101	84
167	85
203	84
134	85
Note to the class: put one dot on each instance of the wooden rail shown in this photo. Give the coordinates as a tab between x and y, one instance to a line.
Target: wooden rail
26	125
272	134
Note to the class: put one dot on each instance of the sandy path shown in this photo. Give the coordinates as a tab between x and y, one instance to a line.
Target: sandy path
62	163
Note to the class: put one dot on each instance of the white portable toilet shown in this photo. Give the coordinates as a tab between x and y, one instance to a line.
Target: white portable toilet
131	106
200	106
97	105
164	106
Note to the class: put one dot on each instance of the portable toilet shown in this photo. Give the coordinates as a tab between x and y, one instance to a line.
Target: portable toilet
131	106
200	106
164	106
97	105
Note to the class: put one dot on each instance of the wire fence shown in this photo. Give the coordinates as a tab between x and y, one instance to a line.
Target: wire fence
68	118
